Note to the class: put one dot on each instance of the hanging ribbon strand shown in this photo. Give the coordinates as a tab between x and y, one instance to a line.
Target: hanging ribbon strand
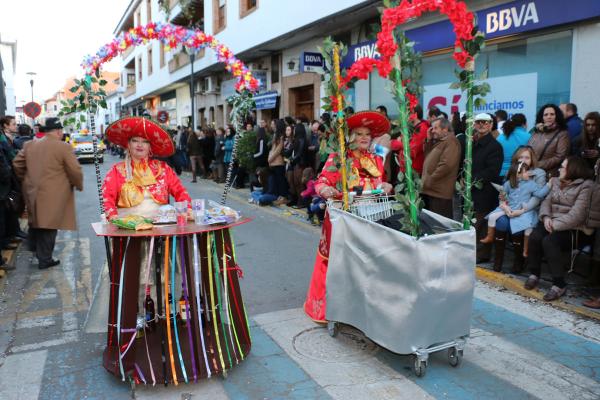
198	275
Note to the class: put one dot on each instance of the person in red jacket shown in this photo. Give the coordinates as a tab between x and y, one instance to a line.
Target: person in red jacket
367	173
140	185
417	142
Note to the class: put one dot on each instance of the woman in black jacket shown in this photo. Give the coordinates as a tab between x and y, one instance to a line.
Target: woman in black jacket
208	149
296	165
261	151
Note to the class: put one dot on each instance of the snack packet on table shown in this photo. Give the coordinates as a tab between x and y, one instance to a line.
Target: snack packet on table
133	222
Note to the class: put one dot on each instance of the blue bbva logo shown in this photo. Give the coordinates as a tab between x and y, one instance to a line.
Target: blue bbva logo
513	17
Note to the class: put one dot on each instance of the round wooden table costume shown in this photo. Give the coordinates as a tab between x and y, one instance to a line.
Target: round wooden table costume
176	313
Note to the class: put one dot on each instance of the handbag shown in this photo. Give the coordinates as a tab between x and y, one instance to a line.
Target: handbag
14	200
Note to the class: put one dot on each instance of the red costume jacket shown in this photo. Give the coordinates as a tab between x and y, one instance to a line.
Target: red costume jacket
167	183
367	172
417	143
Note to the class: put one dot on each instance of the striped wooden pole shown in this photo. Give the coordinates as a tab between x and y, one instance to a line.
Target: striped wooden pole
340	118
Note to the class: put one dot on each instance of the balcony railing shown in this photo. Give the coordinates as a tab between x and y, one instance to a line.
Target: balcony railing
180	60
127	52
129	91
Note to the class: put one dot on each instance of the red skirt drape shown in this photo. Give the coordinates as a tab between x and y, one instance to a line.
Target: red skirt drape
315	305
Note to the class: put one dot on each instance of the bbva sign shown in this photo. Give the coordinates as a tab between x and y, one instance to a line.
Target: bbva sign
513	17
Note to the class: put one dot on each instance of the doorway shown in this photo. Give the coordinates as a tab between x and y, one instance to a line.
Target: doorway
303	102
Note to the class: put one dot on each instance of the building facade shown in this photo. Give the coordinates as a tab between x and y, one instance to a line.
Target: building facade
8	65
536	52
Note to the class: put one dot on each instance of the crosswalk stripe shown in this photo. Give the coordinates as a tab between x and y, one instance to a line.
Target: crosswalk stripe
21	375
37	322
527	370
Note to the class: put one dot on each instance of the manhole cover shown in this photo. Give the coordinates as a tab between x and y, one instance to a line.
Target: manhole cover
350	345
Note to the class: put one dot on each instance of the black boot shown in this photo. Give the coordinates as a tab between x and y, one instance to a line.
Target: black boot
518	261
499	244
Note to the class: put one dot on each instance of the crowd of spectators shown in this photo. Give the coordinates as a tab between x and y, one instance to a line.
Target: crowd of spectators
536	183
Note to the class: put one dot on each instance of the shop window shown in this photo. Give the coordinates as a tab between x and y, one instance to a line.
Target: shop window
150	61
247	7
139	67
219	15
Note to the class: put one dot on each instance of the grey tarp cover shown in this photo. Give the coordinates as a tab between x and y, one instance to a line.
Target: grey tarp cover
404	294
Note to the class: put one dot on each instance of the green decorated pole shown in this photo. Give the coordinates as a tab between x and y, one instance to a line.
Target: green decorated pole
403	110
468	164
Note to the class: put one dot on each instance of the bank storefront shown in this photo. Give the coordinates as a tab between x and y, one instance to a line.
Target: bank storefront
529	57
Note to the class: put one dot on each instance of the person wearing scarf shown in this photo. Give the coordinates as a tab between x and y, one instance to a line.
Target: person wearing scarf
366	172
140	185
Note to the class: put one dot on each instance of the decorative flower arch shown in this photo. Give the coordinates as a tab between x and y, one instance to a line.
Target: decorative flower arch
457	12
466	45
90	95
172	36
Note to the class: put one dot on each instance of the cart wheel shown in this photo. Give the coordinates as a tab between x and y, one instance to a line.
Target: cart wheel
332	328
455	356
419	367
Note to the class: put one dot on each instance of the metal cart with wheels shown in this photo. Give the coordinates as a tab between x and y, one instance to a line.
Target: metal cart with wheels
412	296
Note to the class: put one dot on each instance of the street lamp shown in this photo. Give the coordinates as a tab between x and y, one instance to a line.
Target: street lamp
192	53
31	74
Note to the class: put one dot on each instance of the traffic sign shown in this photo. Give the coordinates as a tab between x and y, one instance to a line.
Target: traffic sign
162	117
32	109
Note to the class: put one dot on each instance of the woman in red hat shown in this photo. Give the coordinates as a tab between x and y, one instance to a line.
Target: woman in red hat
140	185
367	172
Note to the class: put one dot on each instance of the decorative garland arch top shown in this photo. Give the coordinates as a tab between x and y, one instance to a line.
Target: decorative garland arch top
172	36
463	24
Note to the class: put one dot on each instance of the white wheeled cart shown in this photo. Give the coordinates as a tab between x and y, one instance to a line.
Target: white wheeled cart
410	296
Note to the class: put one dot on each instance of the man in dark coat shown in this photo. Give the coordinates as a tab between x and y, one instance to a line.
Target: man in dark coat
487	163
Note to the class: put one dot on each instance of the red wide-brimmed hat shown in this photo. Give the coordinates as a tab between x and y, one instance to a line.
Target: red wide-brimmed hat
377	123
121	131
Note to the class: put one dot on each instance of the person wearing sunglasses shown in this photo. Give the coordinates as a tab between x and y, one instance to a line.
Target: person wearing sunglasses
487	163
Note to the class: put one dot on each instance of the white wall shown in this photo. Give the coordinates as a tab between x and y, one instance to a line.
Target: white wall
584	68
9	78
184	103
294	53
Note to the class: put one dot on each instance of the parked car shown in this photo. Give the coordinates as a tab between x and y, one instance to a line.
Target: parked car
83	147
